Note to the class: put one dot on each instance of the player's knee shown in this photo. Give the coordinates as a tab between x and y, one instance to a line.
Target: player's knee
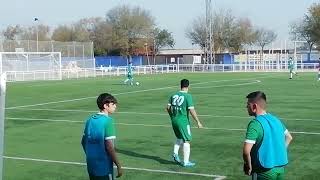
179	141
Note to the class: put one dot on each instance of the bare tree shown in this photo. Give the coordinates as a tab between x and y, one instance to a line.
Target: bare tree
312	20
196	32
300	31
12	32
102	37
130	27
74	32
229	33
264	37
30	33
224	31
63	33
244	34
162	38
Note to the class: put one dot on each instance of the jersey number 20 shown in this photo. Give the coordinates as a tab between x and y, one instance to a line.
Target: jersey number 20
177	100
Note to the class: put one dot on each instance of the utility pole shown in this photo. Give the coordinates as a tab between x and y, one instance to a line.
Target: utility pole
146	49
37	29
209	45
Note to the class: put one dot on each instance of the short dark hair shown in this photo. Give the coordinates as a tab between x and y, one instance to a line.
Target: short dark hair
257	96
184	83
105	98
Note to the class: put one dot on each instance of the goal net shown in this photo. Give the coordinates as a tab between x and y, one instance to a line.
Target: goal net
26	66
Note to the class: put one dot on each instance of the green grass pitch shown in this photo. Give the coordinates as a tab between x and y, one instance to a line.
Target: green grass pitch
44	121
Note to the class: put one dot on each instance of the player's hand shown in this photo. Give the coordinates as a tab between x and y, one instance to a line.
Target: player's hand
247	169
120	172
200	125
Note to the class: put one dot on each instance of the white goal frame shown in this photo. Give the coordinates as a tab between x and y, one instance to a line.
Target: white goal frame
2	117
32	64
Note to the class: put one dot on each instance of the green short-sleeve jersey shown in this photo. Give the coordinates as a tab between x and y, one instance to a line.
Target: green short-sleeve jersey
98	129
110	132
290	64
254	136
180	102
129	69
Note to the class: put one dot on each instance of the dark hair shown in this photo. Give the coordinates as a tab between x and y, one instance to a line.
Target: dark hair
105	98
184	83
256	96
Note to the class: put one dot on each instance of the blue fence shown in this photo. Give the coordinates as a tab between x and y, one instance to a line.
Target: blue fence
106	61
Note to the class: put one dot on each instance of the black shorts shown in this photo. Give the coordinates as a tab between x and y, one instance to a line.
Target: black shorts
107	177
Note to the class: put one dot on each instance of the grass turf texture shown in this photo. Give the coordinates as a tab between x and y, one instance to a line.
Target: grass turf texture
144	136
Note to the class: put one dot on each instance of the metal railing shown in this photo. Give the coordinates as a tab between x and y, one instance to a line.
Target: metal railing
155	69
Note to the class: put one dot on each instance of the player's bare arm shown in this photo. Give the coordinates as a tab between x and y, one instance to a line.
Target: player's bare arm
110	149
288	138
195	117
168	108
247	167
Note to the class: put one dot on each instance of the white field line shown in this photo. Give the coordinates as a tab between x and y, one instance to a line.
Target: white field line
216	177
130	92
159	114
84	98
151	125
230	85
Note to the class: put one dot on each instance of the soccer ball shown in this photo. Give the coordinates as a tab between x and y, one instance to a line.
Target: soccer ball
137	83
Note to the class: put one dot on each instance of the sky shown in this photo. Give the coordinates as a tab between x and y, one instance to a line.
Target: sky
174	15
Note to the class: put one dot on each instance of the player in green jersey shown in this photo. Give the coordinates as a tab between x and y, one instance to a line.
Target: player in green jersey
267	140
319	70
291	68
98	141
178	108
129	79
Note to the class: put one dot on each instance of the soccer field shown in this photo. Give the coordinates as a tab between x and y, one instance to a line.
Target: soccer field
44	124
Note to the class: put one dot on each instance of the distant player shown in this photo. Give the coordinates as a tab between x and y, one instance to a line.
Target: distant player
98	141
319	70
291	67
129	79
178	108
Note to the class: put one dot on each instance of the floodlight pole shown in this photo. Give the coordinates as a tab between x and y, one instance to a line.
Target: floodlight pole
37	40
146	49
1	66
295	51
209	44
37	29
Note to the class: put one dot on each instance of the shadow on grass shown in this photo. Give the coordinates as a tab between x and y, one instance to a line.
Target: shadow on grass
144	156
119	84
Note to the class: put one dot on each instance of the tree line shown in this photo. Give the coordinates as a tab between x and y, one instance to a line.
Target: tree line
229	33
307	28
125	31
128	30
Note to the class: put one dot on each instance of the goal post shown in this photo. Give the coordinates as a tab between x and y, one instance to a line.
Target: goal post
302	52
21	66
2	117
